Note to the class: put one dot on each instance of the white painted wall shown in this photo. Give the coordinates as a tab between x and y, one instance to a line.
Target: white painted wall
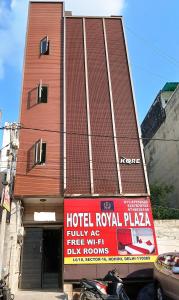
11	259
167	233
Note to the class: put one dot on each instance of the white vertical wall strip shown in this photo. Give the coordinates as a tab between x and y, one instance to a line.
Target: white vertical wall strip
64	109
88	109
112	110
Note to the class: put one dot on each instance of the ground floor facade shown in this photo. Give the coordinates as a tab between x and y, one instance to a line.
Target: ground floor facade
52	244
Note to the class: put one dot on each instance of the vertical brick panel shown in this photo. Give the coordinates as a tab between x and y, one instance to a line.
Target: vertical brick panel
78	176
104	163
45	19
133	179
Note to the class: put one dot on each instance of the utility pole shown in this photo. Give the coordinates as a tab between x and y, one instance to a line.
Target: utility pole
7	192
2	229
2	238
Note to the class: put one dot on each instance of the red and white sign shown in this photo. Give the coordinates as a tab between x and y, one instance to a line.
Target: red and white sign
6	200
113	230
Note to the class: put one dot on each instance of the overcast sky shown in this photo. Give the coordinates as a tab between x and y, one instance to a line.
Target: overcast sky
152	36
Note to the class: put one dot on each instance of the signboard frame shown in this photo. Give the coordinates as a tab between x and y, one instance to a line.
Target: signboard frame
109	230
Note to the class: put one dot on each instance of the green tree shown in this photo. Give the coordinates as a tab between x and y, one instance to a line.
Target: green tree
159	193
160	204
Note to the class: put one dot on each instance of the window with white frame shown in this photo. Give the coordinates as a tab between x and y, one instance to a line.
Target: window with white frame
36	155
44	46
40	152
42	93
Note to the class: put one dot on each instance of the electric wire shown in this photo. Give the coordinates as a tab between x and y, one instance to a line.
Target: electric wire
145	69
5	146
92	135
156	49
105	136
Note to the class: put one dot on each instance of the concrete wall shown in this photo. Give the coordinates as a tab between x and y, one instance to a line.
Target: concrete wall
12	249
162	157
167	233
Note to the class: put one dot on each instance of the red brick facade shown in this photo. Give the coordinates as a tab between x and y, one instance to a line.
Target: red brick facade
102	78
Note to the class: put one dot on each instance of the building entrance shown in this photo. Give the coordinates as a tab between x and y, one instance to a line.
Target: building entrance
41	262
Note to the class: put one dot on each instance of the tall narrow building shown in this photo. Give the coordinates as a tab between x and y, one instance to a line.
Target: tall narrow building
80	172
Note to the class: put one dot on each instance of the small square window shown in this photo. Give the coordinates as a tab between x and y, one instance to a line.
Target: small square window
44	46
42	93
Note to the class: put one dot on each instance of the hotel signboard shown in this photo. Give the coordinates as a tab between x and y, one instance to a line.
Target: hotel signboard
108	230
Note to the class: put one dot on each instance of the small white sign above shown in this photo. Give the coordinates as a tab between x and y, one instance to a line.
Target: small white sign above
44	216
129	161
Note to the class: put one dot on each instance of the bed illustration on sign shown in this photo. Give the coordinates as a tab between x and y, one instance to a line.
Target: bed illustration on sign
135	241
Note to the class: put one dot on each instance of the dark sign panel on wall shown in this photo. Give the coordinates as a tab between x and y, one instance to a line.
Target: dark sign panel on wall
108	231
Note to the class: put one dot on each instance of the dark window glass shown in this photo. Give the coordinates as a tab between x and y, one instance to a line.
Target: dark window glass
42	94
43	156
44	46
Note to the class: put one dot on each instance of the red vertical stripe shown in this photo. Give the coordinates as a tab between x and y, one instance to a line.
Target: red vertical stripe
78	178
104	163
133	180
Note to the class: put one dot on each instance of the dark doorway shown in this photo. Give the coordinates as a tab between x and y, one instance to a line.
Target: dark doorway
51	258
41	261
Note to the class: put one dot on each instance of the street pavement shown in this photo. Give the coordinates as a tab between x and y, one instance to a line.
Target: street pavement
42	295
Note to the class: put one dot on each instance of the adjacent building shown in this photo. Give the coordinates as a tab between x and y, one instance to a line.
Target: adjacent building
80	156
160	134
